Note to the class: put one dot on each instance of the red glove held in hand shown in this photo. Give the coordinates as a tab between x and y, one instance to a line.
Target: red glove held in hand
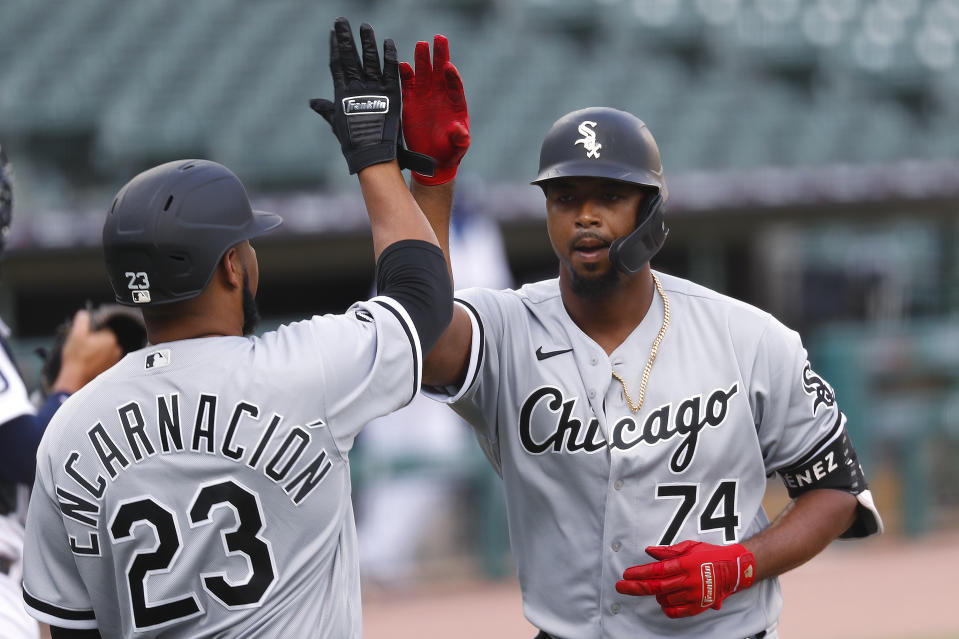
691	576
435	120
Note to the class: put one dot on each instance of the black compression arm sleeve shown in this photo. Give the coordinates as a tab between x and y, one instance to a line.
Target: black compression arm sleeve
414	273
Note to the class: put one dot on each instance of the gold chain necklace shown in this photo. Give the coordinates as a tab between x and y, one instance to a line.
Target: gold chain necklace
652	353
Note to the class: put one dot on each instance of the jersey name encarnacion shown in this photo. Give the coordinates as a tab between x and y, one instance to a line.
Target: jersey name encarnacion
292	463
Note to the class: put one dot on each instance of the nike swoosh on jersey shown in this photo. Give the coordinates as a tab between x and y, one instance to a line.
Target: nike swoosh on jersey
540	355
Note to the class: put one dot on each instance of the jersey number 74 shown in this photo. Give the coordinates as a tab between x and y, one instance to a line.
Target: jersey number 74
719	512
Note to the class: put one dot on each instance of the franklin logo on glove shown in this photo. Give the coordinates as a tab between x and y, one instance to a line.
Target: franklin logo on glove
708	597
363	104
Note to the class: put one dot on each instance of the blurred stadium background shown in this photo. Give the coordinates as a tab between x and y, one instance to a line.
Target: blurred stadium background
810	147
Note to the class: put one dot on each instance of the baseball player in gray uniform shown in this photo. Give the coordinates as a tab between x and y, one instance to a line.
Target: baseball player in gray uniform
85	354
635	416
201	487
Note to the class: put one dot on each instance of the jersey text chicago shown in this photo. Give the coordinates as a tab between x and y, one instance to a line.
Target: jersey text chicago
690	417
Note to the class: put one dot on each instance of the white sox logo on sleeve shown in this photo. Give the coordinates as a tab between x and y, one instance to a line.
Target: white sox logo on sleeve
548	409
817	387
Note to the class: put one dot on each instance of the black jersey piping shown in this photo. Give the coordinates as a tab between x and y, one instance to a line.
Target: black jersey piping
482	342
56	611
409	335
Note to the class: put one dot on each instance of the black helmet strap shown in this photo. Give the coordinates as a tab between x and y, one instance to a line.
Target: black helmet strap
631	252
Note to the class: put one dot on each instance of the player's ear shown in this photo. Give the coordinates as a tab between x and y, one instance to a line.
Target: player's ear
231	268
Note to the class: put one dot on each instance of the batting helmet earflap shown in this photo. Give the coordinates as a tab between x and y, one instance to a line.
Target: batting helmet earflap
6	198
170	225
616	145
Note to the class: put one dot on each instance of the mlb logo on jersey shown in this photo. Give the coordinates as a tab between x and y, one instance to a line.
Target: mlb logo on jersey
157	359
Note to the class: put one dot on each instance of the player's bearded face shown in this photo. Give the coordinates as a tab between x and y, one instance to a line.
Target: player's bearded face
594	284
584	216
251	314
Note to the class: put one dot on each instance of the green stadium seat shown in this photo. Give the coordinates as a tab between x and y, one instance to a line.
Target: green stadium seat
722	84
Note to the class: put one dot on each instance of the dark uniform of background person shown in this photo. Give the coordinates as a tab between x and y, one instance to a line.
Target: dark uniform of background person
85	354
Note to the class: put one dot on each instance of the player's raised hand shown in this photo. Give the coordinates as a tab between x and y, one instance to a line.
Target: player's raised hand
690	576
435	118
365	109
86	354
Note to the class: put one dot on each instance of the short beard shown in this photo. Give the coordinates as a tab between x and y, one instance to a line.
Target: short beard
593	287
251	314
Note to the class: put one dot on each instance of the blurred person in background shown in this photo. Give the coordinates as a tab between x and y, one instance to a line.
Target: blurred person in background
418	458
634	492
85	354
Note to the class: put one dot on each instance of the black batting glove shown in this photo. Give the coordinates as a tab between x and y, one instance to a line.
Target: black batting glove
366	106
365	111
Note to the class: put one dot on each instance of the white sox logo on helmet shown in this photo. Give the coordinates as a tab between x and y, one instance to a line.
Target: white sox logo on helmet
589	139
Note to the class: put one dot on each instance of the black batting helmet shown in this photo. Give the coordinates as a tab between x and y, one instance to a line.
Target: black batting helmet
616	145
169	227
6	198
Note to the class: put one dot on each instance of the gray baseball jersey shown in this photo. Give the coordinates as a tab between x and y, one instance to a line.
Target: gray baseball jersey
589	484
201	488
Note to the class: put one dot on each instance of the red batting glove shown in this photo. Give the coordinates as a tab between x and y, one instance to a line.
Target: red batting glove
435	120
691	576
